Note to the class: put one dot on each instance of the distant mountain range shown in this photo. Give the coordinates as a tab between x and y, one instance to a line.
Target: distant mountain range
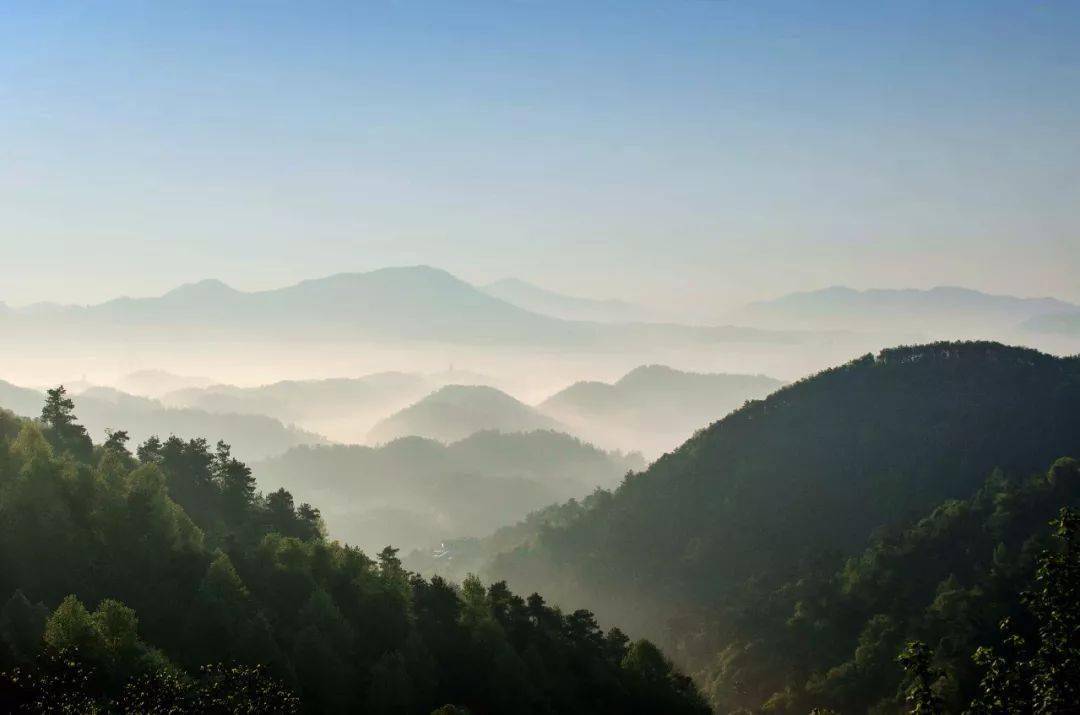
653	408
252	436
421	303
558	305
958	312
416	303
456	411
415	491
1067	324
155	383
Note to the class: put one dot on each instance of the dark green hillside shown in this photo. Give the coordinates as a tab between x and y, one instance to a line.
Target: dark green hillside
121	574
830	638
808	473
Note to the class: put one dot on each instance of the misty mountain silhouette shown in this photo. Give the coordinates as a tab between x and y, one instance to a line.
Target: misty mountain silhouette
415	491
944	308
458	411
252	436
155	383
653	407
558	305
1055	323
293	400
344	409
414	303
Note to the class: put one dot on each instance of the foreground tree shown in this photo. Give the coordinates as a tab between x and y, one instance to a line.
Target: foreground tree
156	566
66	434
1045	679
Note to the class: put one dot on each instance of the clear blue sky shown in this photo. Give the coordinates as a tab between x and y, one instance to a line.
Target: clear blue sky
673	151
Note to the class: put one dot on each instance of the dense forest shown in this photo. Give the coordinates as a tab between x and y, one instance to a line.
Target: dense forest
899	534
960	579
160	580
830	639
783	490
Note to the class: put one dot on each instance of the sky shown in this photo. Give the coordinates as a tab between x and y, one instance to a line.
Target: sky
689	154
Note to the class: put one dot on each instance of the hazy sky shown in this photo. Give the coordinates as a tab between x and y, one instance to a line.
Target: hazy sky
672	151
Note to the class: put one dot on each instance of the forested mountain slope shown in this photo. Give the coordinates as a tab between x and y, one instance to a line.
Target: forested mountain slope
416	492
121	574
807	473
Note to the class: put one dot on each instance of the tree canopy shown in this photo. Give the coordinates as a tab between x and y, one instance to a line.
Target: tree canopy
164	581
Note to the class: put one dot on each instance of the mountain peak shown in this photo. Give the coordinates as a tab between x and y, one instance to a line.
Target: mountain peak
208	287
646	371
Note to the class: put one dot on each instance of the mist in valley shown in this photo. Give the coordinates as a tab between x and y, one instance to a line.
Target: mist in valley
464	358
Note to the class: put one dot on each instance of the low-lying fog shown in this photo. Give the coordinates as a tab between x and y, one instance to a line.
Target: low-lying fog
418	408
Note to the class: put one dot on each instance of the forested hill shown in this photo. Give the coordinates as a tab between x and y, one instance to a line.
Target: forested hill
804	475
415	492
162	581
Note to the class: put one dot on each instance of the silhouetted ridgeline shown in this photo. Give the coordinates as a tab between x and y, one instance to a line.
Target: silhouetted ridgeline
412	303
540	300
942	310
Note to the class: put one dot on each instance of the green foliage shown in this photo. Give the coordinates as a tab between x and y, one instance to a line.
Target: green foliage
116	441
921	676
416	492
66	434
1045	678
71	627
178	550
829	639
728	549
